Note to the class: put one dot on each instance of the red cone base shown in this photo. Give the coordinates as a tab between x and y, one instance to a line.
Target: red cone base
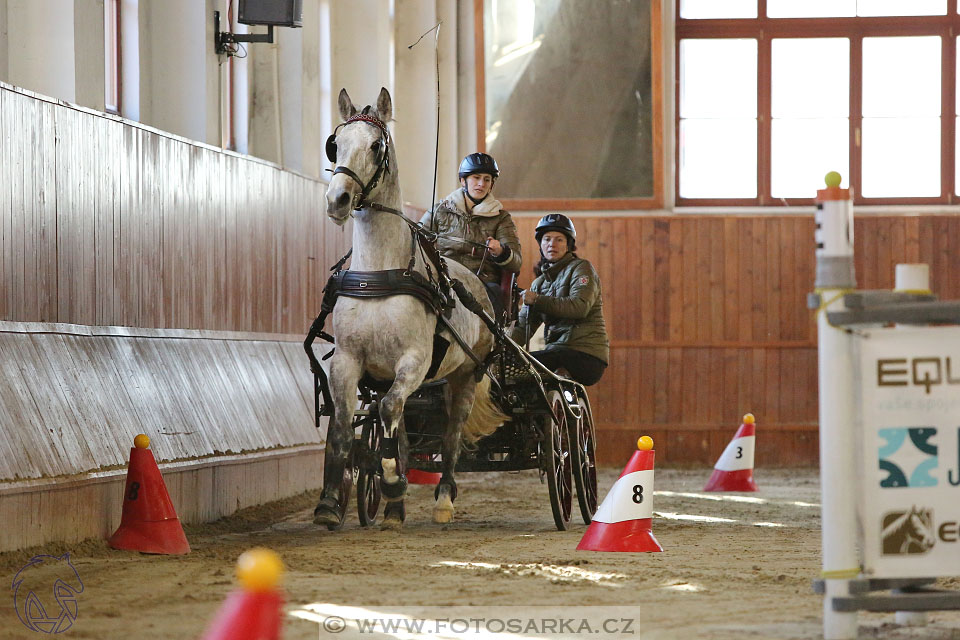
630	535
741	480
149	523
248	615
415	476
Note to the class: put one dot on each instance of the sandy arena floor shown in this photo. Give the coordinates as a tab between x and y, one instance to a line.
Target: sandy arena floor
744	571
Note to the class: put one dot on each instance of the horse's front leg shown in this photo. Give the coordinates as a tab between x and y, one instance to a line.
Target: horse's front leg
410	371
344	376
462	388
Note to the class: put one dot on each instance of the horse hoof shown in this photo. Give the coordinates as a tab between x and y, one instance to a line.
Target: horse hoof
443	510
391	524
327	518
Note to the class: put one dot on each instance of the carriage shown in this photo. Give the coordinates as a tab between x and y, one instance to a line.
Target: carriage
551	428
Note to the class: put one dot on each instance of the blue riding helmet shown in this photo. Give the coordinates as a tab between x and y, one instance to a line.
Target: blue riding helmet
478	163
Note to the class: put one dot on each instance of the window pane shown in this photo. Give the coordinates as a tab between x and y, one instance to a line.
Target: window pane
574	75
901	157
718	158
714	9
901	76
803	151
800	87
901	8
811	8
718	78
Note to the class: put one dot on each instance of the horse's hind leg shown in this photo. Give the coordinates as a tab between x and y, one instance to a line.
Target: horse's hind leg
344	375
409	374
462	388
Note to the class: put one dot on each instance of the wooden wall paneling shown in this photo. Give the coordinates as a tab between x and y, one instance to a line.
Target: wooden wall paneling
641	234
99	409
21	205
225	390
96	359
688	281
8	154
674	282
31	421
773	240
731	279
757	273
171	232
703	330
201	430
898	248
130	210
234	174
885	255
745	282
108	240
149	218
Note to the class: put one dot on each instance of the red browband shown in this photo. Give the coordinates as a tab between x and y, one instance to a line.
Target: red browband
369	120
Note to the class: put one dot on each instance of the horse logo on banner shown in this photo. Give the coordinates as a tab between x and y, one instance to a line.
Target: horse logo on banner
906	532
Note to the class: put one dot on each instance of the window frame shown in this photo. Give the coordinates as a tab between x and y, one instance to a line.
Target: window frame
765	29
654	201
112	82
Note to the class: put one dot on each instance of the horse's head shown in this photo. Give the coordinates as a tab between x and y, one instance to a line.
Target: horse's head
921	525
360	149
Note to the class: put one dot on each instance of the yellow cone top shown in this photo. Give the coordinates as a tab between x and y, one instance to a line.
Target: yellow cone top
259	569
748	418
645	443
141	441
832	179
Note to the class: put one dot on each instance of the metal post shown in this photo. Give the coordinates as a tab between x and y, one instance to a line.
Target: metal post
838	473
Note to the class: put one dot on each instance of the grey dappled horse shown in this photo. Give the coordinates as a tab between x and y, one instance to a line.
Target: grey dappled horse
391	338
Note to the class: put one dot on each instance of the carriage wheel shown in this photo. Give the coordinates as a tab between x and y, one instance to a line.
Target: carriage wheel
557	462
365	469
585	463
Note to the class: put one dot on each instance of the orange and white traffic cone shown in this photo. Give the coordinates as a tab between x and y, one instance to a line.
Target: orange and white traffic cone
734	469
254	612
149	522
622	522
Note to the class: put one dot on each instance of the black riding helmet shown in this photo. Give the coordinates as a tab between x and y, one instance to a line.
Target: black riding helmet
478	163
557	222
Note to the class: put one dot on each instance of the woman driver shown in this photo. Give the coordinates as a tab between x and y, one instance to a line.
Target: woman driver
566	298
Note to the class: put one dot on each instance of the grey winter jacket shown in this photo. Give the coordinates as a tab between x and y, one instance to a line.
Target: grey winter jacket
570	304
462	235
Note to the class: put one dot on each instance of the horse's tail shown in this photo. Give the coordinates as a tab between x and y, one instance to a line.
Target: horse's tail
485	416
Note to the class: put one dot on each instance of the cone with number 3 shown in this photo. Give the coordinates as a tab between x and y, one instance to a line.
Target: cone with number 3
622	522
734	469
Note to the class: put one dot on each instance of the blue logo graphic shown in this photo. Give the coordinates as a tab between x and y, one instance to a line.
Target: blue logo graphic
45	593
918	459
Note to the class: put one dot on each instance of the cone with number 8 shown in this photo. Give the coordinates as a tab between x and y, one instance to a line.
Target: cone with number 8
734	469
148	523
622	522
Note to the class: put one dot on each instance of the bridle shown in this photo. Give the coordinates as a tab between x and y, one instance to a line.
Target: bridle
383	162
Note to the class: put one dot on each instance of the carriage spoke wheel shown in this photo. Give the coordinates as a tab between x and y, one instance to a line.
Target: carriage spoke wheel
365	469
558	463
585	463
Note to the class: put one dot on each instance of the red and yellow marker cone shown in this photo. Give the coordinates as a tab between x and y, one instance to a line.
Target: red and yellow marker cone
255	611
734	469
623	520
149	522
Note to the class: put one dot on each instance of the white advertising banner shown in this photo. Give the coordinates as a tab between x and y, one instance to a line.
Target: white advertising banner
909	443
